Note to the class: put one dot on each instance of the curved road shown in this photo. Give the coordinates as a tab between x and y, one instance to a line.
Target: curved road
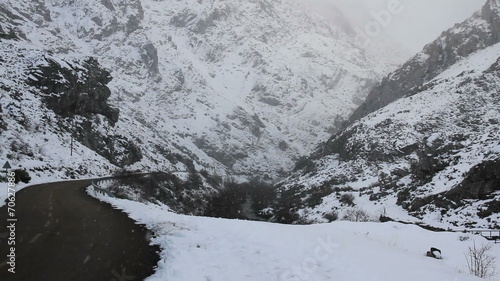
62	234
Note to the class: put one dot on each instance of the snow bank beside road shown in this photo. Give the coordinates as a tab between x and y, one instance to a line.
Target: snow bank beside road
199	248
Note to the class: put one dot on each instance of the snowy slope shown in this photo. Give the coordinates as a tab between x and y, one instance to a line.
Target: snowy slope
197	248
239	87
414	155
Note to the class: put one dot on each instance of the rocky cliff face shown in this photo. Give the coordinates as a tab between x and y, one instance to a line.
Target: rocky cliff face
77	92
74	89
431	155
457	43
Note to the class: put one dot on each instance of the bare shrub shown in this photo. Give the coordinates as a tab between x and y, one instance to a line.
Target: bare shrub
21	175
356	215
347	198
304	220
332	216
479	261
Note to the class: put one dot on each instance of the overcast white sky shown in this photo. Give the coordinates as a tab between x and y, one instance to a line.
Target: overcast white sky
420	22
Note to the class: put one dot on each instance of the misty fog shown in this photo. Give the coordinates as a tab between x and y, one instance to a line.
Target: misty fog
405	33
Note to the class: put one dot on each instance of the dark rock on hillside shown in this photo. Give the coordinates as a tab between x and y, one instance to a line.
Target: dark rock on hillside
150	58
223	156
348	148
133	24
490	208
480	183
119	150
134	20
432	159
7	16
108	4
491	15
209	21
3	125
182	19
77	90
7	34
459	42
36	11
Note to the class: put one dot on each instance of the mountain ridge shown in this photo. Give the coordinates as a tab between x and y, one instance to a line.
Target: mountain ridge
419	158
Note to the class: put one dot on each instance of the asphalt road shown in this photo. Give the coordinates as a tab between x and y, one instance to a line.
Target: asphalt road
62	234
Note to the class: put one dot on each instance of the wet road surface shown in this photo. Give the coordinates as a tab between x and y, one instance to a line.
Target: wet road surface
62	234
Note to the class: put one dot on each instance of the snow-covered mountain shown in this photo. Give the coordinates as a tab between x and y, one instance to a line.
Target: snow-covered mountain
240	87
463	39
433	154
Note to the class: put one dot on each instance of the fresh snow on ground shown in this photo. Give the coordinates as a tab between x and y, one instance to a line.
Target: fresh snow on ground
199	248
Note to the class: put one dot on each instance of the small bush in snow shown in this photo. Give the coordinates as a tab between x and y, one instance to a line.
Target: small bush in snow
347	198
332	216
463	238
356	215
304	220
22	175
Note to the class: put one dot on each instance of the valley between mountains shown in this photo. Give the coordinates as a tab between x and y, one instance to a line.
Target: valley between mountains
255	140
270	91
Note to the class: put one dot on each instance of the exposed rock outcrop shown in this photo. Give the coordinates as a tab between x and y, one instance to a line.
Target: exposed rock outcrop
118	149
480	183
75	89
78	90
150	58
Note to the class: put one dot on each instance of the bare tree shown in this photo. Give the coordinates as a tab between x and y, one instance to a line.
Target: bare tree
480	262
